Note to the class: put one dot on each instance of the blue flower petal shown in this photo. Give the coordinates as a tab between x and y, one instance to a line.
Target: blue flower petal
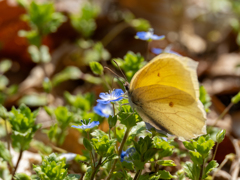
115	95
167	50
88	126
103	110
147	36
157	50
104	95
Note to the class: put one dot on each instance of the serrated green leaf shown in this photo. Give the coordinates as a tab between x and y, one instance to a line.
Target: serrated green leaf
130	64
188	168
22	176
166	163
211	165
196	157
164	174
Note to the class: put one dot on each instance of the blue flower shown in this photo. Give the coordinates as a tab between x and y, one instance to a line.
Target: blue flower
167	50
86	126
103	110
148	36
126	155
115	95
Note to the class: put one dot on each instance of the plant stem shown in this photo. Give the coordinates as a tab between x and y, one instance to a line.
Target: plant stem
223	113
202	170
119	153
96	168
215	151
220	167
138	174
18	161
114	32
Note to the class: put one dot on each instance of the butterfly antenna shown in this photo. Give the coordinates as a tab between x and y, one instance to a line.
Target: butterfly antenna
121	71
117	76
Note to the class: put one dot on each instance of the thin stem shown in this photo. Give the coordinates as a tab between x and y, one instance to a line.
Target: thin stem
18	161
215	151
223	113
96	168
220	167
114	32
137	175
106	83
7	135
91	154
202	169
119	153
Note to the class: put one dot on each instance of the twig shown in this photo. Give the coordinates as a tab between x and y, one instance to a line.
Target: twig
119	153
18	161
215	151
137	175
96	168
114	32
235	165
223	113
202	170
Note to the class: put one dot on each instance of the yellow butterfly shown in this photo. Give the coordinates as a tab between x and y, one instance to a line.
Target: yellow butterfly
165	93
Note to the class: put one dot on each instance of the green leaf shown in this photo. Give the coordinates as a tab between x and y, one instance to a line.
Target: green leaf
73	177
51	168
21	176
3	112
140	24
112	121
96	68
130	64
47	85
166	163
41	147
34	100
96	53
68	73
87	144
149	154
236	98
5	65
138	164
102	144
23	125
220	136
211	165
164	174
84	22
165	149
45	56
205	148
83	102
196	157
205	98
3	82
188	168
4	153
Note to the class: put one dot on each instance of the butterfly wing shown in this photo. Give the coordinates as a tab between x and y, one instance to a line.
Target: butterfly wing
170	109
165	93
169	70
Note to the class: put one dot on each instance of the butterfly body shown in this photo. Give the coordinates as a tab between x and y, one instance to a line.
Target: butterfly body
165	94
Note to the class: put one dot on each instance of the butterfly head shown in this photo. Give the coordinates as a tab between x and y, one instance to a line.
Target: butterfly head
126	85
